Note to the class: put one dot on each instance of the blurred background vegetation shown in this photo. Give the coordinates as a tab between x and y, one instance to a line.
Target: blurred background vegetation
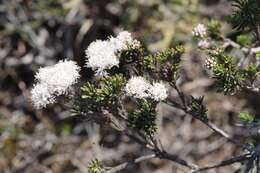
35	33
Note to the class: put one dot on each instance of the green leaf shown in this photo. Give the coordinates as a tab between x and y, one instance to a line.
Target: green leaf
95	166
213	29
103	94
143	119
258	55
246	117
251	72
164	65
246	14
197	108
243	40
229	79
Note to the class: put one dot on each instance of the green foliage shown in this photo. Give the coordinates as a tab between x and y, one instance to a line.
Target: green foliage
247	14
131	58
165	65
213	29
144	117
90	90
243	40
65	128
132	54
95	166
229	79
251	72
105	95
197	108
51	6
246	117
258	55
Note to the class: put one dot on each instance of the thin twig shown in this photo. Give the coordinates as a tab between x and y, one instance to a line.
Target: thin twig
211	125
229	42
257	31
227	162
161	154
129	163
257	165
175	158
152	146
219	131
181	95
208	123
145	143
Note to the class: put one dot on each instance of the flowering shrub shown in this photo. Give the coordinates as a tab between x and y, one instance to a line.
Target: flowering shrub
129	83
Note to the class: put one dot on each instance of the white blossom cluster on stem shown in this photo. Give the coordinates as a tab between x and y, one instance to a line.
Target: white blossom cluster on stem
53	81
103	54
204	44
121	41
199	31
158	91
139	87
209	63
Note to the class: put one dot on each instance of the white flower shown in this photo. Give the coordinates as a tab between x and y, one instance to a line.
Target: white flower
209	63
60	76
54	81
137	87
158	91
41	96
204	44
136	44
123	39
199	31
101	55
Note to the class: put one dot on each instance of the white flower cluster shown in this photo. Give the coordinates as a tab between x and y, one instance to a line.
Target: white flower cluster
121	41
209	63
139	87
41	96
199	31
54	81
204	44
102	55
158	91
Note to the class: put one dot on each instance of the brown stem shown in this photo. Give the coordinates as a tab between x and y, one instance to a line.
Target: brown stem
129	163
162	154
175	158
158	154
227	162
258	33
181	95
211	125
